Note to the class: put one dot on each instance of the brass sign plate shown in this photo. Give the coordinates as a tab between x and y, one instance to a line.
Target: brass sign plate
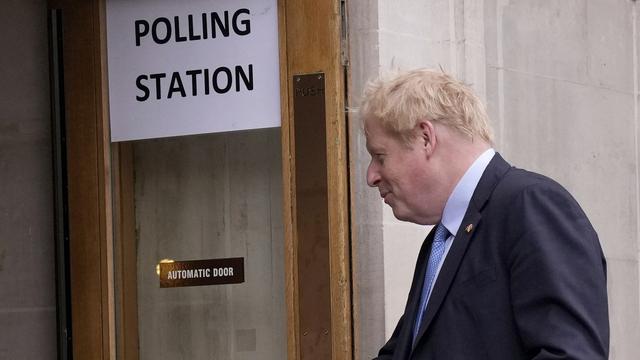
202	272
309	92
312	215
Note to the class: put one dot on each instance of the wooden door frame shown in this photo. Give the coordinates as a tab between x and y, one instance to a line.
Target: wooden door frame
88	177
311	41
100	178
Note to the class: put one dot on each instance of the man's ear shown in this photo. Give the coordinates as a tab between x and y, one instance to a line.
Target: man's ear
428	138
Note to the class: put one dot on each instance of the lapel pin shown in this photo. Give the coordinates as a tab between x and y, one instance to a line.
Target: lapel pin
469	228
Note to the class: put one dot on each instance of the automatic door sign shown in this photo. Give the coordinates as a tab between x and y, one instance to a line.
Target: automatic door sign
202	272
192	67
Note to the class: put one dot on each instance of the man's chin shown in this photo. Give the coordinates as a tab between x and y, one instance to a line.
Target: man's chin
400	215
406	216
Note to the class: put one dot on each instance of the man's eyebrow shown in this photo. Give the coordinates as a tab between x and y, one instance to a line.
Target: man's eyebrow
371	148
374	147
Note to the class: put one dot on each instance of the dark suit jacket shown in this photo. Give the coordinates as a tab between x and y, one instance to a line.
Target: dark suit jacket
527	282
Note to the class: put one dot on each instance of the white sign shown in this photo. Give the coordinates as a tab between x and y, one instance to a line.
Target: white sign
192	67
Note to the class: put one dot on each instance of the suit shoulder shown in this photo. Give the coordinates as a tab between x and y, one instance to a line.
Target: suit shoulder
517	182
524	192
520	189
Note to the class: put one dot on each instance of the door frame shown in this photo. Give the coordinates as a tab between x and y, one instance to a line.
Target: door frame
100	185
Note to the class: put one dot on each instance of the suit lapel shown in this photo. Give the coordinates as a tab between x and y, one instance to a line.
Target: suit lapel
448	270
490	178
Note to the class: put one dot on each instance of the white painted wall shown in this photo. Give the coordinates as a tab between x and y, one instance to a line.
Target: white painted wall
561	82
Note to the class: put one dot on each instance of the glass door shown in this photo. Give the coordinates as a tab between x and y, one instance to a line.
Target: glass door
200	230
210	197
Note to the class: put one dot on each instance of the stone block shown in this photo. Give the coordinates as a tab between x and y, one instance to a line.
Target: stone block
610	38
28	333
491	31
636	41
27	270
365	64
583	137
423	19
547	38
494	94
404	52
623	282
363	17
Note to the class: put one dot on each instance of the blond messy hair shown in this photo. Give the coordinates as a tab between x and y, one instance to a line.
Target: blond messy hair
399	103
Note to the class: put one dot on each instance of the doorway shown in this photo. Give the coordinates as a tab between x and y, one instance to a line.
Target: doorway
234	194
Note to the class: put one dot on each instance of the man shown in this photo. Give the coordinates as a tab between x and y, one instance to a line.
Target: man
513	269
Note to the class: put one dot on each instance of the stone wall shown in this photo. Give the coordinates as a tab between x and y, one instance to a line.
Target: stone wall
27	269
560	79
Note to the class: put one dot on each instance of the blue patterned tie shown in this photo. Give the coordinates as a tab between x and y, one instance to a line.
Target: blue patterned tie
437	250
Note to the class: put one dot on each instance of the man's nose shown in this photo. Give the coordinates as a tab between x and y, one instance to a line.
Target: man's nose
373	177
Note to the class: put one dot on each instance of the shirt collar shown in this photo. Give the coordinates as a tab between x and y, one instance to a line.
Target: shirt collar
458	201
